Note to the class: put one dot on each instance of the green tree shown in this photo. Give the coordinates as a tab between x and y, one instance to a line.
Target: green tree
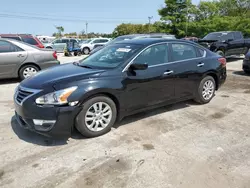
60	30
177	13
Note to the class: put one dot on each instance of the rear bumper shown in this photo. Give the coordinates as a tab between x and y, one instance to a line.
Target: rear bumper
49	64
222	77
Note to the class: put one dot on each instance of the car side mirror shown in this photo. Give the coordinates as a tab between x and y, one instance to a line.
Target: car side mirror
139	66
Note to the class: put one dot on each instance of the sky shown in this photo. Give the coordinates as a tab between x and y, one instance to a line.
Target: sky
41	17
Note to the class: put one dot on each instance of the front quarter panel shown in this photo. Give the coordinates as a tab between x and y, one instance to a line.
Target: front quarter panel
109	83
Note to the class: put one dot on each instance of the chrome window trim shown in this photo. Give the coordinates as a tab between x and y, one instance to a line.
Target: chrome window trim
34	91
127	66
171	62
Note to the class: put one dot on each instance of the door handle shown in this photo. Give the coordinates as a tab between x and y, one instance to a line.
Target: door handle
168	72
20	55
200	65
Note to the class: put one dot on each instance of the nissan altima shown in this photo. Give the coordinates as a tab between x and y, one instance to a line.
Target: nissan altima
119	80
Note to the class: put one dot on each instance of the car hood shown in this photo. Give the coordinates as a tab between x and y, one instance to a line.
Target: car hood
61	73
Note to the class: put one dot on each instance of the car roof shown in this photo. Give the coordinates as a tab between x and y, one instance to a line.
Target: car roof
149	41
9	35
224	31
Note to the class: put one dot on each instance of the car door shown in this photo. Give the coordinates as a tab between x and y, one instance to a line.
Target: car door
63	45
93	43
11	57
234	47
155	85
188	65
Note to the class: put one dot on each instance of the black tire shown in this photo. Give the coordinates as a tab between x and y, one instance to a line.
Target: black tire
80	119
85	51
198	96
248	50
221	53
247	71
21	71
75	53
49	47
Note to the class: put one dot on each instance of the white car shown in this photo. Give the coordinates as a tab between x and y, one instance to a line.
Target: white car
88	45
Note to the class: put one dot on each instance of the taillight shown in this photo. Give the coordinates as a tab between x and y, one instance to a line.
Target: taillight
223	61
55	55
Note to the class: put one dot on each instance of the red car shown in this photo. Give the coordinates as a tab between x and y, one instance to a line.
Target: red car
27	38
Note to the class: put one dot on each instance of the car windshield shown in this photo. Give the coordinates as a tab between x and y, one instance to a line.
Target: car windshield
111	56
213	36
218	36
120	39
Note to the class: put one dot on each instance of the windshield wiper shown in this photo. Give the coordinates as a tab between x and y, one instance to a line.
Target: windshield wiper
84	66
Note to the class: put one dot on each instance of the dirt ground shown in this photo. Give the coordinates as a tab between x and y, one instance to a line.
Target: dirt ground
179	146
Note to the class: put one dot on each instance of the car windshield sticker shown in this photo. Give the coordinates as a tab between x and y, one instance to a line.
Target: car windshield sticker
123	50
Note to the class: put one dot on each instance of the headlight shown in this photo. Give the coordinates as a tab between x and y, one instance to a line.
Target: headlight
56	98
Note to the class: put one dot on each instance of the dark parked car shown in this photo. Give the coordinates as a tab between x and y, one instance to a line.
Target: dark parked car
121	79
133	36
246	63
226	43
24	38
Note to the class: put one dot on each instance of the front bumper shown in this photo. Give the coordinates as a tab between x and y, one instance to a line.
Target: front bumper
64	118
246	65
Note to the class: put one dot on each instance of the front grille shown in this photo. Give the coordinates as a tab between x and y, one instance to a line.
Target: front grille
22	94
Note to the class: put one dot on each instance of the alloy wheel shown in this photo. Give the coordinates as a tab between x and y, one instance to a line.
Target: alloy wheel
208	90
98	116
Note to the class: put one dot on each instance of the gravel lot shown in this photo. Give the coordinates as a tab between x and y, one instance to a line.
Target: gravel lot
179	146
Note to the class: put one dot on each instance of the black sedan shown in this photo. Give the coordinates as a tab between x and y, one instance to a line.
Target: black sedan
246	63
121	79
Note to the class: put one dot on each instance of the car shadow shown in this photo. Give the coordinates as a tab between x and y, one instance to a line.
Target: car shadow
241	73
232	59
9	81
154	112
35	138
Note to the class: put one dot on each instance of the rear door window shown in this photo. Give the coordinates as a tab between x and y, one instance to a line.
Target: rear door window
6	47
30	40
183	52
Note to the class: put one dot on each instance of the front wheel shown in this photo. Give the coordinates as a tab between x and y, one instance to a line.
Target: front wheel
97	116
206	90
221	53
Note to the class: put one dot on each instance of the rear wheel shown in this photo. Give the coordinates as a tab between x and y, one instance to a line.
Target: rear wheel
28	71
86	51
49	47
206	90
97	116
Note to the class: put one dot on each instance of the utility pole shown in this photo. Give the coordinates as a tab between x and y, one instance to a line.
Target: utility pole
187	19
149	22
87	29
